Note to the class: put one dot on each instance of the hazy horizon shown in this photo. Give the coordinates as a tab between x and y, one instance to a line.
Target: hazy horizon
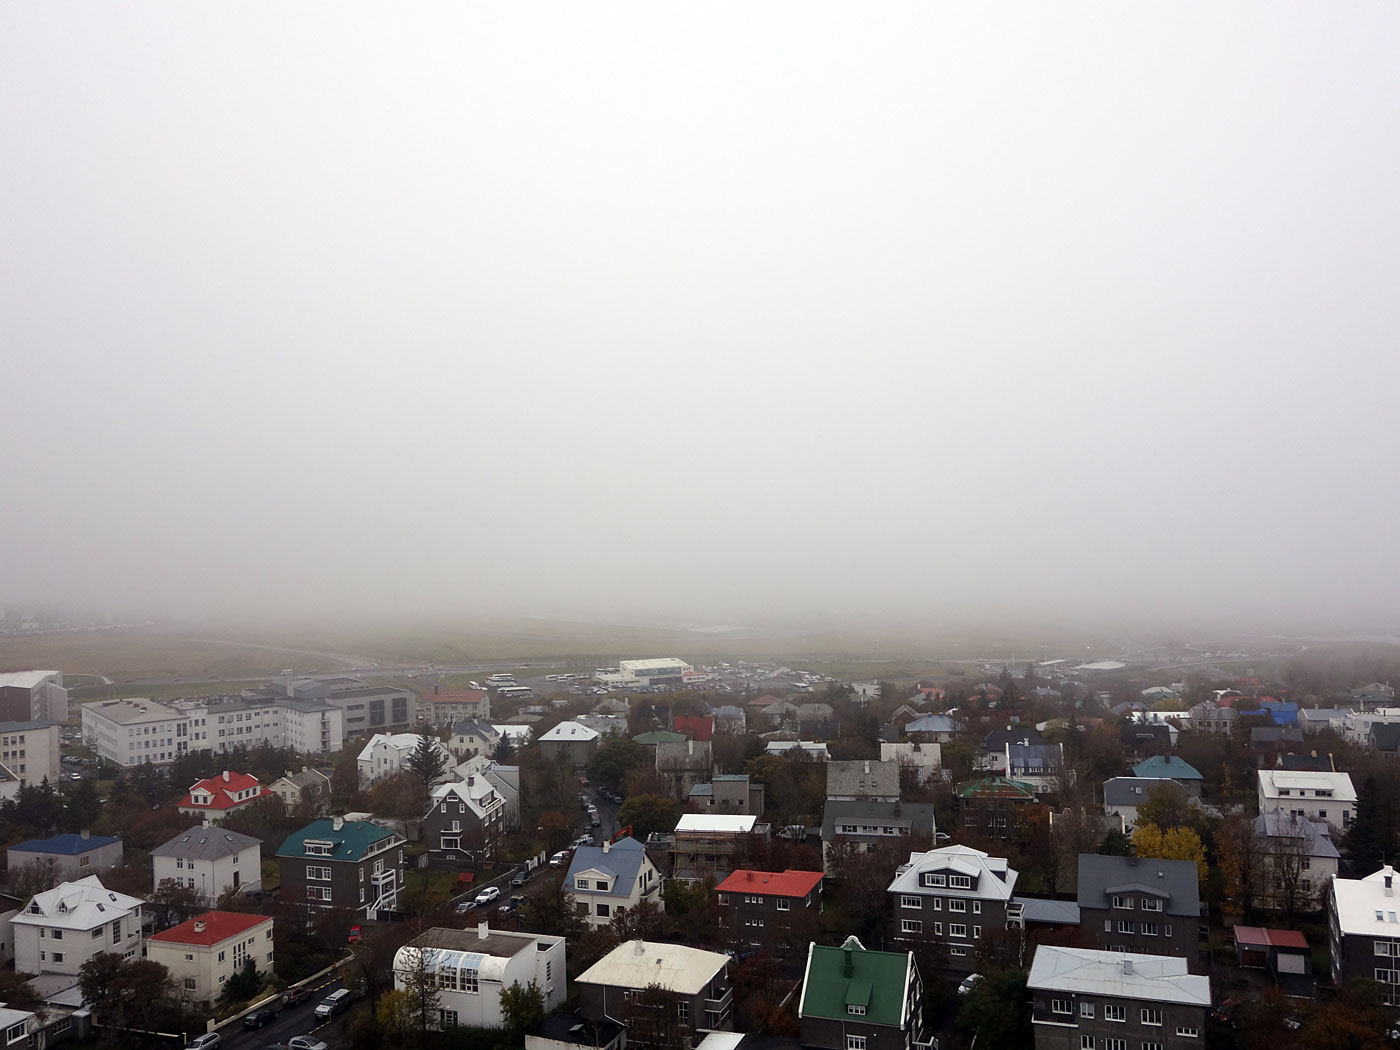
797	314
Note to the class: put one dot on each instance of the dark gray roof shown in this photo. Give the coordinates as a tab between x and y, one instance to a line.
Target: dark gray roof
997	739
201	843
917	816
1278	824
368	691
1313	763
1033	756
476	726
1130	791
1385	735
1103	877
867	777
1047	912
1274	735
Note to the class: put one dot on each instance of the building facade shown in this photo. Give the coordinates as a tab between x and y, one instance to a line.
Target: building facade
338	863
1328	797
465	821
1363	921
33	696
210	860
855	999
612	878
948	897
69	856
778	911
445	709
29	750
1140	905
62	928
214	798
693	986
204	953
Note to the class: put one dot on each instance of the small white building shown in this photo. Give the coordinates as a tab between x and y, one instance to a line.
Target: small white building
925	758
473	966
62	928
388	753
1328	797
810	749
211	860
472	737
205	952
606	880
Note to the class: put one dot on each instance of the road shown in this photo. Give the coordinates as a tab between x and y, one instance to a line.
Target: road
294	1020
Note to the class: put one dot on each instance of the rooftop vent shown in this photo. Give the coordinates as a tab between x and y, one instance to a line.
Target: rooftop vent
1127	967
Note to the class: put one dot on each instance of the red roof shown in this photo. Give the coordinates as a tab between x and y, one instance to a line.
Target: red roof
222	788
703	726
1258	937
211	928
774	883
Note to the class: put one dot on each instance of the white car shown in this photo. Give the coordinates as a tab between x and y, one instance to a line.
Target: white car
306	1042
207	1041
968	983
487	895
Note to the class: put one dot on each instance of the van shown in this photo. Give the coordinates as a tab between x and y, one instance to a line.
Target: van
337	1002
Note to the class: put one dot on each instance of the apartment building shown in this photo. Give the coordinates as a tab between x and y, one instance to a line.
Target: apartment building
465	821
729	793
338	863
1328	797
1142	905
1082	999
30	751
449	708
136	732
211	860
62	928
204	953
33	696
949	896
694	986
1363	922
778	911
857	999
1299	861
865	826
862	780
375	709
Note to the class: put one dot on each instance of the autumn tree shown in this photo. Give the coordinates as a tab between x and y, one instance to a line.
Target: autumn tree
1241	859
1174	844
128	994
652	1017
1168	806
416	969
552	910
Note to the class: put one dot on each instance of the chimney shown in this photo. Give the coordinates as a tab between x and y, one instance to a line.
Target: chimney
640	950
198	925
1127	967
337	823
607	845
84	833
483	930
850	967
751	875
226	776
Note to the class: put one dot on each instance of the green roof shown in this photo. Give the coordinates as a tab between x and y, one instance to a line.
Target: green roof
351	842
877	981
995	787
1166	767
659	736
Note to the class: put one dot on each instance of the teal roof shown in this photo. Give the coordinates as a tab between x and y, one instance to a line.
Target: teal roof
352	841
877	981
1166	767
659	736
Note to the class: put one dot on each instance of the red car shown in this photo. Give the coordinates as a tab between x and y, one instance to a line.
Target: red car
583	780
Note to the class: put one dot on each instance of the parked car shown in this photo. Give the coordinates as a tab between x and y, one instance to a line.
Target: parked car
487	895
337	1002
465	906
583	780
559	859
306	1042
297	996
506	910
521	877
1227	1012
968	983
261	1016
207	1041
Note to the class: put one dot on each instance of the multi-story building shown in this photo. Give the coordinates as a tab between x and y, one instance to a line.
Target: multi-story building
375	709
472	737
577	743
995	807
210	860
949	896
775	910
1212	717
445	709
388	753
865	826
33	696
862	780
1328	797
310	785
704	844
1082	999
1038	765
136	732
635	674
1299	861
729	793
338	863
1364	931
214	798
474	966
639	980
312	727
683	764
1140	904
204	953
62	928
29	750
465	821
925	757
606	880
856	999
68	856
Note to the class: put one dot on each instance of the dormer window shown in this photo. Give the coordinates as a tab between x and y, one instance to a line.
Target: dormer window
935	879
855	1010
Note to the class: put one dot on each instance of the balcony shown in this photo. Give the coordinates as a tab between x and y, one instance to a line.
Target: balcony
385	878
721	1003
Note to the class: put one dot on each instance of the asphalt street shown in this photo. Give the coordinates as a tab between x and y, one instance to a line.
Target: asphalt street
294	1020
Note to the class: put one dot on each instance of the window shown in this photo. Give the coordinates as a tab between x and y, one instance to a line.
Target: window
976	932
1115	1044
911	926
15	1033
1114	1013
961	882
1148	929
581	884
1151	1046
1124	926
930	879
935	903
190	982
323	874
855	1009
976	907
1061	1006
910	902
957	950
1086	1042
724	898
938	929
1188	1033
604	911
1123	902
1151	904
1152	1017
58	935
602	887
957	929
469	982
784	904
320	893
1387	947
57	956
1086	1010
97	933
957	905
855	1042
448	1018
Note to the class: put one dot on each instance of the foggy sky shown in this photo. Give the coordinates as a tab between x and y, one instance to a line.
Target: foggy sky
702	312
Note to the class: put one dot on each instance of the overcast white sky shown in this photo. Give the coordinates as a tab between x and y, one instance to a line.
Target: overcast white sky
702	312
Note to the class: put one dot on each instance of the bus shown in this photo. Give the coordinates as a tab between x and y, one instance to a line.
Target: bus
516	692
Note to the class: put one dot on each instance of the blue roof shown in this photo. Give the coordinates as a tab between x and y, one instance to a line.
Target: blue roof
1166	767
69	845
1283	713
622	861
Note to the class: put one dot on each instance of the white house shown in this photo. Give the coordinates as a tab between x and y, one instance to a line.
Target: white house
473	966
388	753
609	879
1296	849
216	797
925	758
211	860
1328	797
62	928
205	952
473	737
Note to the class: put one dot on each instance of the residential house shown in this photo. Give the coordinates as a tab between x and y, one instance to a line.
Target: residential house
780	714
659	736
935	729
29	750
1271	740
865	826
1140	904
388	754
1084	999
704	844
1328	797
611	706
68	856
339	863
473	737
62	928
204	953
698	727
606	880
1364	931
862	780
1038	765
474	966
683	764
1284	713
729	793
774	910
577	743
673	986
994	756
216	797
1145	738
311	785
926	759
813	751
465	821
1385	739
1212	717
1299	860
948	896
1311	762
995	807
1123	795
442	708
731	719
1375	693
1171	767
211	860
863	694
1316	719
135	731
43	1028
9	908
606	725
856	999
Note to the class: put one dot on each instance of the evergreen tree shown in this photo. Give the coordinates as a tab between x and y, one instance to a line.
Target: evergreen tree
427	763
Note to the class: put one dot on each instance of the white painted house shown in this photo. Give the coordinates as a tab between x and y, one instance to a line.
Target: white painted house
211	860
1328	797
388	753
204	953
62	928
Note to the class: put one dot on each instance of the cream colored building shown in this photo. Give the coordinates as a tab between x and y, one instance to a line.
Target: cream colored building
62	928
29	750
203	953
